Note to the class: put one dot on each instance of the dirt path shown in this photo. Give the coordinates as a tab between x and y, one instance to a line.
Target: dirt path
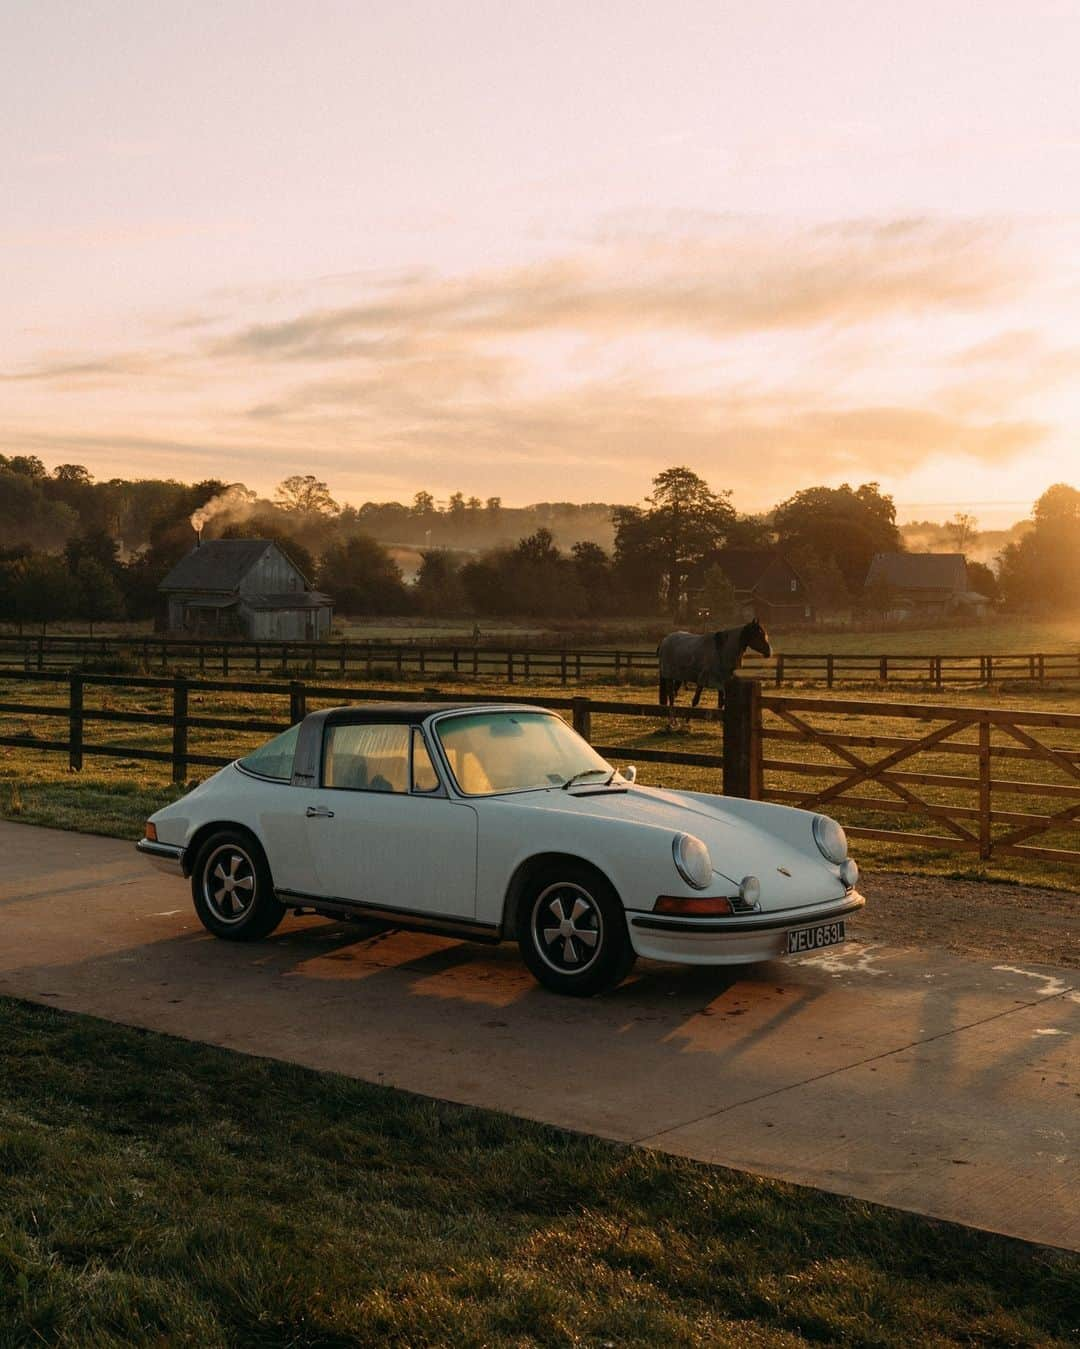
978	919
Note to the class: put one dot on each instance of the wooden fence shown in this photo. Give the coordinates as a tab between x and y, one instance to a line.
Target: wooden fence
552	665
941	772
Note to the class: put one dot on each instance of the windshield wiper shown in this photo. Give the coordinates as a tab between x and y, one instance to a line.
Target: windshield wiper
585	773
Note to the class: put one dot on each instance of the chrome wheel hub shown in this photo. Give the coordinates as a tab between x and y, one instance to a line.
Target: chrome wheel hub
567	928
229	884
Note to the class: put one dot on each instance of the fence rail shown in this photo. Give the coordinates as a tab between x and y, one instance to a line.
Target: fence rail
561	665
990	781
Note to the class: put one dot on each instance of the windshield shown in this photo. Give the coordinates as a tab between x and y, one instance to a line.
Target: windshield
515	752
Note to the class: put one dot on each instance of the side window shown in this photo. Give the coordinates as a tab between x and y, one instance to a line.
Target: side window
275	758
424	777
368	758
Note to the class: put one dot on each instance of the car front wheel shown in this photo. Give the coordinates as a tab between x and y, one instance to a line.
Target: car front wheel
572	931
233	890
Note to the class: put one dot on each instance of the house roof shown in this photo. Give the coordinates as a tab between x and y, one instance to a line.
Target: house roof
919	571
744	567
219	564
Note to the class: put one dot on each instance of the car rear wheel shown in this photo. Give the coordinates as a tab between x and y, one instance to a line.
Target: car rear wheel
572	931
233	890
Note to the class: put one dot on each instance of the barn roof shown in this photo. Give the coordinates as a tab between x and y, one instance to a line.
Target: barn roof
919	571
744	567
219	564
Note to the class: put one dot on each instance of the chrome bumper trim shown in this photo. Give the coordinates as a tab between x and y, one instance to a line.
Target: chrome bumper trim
168	857
714	927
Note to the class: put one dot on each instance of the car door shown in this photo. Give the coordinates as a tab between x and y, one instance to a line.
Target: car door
382	829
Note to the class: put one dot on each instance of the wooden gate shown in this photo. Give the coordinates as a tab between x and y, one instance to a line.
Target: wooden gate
993	781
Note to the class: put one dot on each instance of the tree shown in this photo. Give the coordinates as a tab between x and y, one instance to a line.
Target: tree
41	590
94	544
27	516
963	530
689	520
26	465
593	572
839	524
304	494
423	505
718	601
879	598
1040	571
95	593
982	580
439	590
73	473
363	578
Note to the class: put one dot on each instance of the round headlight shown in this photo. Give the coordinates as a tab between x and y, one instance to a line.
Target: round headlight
692	860
830	839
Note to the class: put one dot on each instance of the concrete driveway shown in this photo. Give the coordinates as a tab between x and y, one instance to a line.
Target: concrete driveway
943	1086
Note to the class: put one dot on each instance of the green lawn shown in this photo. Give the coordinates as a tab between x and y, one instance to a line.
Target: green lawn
157	1192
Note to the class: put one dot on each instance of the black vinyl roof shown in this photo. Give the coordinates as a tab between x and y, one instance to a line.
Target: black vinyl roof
409	714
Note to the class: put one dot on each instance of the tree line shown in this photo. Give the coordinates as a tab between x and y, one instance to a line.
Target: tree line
71	547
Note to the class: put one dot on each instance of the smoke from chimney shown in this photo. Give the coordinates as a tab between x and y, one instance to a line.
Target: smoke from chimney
234	504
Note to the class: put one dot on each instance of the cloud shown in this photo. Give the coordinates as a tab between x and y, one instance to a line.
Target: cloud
734	281
765	356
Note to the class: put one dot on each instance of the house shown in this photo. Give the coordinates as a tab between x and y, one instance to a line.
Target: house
925	584
243	588
765	584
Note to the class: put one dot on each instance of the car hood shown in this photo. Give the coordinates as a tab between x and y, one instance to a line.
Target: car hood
738	847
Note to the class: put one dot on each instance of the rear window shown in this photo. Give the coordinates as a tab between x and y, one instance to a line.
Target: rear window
275	758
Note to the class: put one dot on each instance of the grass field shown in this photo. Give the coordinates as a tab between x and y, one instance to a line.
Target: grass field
114	796
158	1192
1013	634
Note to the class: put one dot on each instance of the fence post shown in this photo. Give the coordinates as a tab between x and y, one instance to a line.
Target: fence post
984	789
180	728
75	727
828	672
779	668
582	717
742	738
297	702
41	653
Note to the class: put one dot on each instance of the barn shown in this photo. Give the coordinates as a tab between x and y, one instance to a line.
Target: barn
243	588
922	584
765	583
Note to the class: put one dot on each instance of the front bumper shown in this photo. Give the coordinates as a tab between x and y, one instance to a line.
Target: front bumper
738	940
168	857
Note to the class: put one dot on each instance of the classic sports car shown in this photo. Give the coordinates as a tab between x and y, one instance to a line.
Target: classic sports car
494	822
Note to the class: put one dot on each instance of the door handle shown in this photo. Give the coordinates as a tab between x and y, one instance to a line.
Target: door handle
319	813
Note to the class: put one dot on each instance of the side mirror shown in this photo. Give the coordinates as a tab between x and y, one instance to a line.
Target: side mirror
630	774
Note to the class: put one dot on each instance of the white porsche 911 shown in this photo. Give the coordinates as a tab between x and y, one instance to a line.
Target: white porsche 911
494	822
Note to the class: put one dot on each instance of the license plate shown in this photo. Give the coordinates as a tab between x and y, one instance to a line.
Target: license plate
802	939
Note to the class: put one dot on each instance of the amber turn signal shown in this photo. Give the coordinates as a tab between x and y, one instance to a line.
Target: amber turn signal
151	831
697	906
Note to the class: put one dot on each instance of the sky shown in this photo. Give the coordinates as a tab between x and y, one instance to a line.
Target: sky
544	250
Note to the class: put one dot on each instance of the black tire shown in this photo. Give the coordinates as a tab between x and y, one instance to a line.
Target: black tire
572	901
233	889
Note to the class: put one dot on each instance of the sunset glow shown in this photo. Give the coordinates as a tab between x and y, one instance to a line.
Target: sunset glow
484	248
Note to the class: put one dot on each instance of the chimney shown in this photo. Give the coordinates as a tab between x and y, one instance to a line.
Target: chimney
198	538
